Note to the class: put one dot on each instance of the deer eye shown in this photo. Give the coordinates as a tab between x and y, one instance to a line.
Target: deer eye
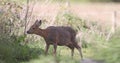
33	28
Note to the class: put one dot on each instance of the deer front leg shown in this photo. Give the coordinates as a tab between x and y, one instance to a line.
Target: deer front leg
55	48
47	47
55	44
72	52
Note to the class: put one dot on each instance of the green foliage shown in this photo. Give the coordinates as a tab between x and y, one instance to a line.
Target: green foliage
109	51
12	42
68	19
11	50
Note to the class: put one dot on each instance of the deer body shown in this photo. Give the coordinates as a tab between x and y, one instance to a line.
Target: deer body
59	35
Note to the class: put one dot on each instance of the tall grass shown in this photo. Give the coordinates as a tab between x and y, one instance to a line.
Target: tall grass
108	51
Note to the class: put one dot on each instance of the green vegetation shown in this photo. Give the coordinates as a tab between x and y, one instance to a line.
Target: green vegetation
12	51
12	43
17	47
109	50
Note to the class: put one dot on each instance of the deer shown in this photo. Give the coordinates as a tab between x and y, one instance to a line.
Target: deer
56	36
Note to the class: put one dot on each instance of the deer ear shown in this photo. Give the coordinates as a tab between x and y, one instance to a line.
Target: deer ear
40	22
36	21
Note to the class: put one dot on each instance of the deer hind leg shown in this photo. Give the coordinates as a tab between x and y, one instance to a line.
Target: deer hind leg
79	49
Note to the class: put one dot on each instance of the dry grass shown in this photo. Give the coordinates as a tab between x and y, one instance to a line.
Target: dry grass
100	12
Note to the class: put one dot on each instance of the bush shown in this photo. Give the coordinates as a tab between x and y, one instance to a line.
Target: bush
66	18
11	38
12	51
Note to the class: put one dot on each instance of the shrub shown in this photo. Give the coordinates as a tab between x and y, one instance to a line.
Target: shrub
11	48
12	51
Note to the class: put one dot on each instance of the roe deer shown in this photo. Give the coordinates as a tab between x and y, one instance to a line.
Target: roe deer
56	35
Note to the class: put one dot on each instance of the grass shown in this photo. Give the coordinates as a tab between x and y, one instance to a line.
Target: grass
62	57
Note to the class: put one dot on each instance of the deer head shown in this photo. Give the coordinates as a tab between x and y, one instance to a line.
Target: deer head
33	29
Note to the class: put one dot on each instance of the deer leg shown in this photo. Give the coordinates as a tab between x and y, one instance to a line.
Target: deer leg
72	50
47	47
55	47
79	49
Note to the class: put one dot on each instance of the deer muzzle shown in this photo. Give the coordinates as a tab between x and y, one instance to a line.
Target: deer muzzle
28	32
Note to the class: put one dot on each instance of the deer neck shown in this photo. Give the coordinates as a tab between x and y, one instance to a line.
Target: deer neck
42	32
